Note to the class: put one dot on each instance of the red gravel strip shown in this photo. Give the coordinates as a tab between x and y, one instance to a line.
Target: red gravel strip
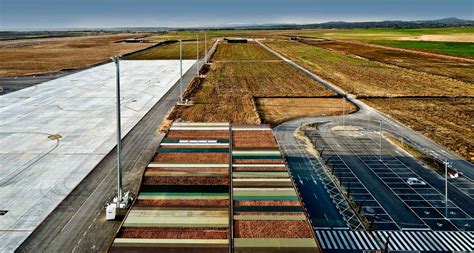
179	180
272	229
188	169
261	139
192	158
174	233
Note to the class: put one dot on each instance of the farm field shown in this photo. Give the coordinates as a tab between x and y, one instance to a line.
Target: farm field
444	66
278	110
367	78
227	92
463	49
370	34
171	51
446	121
237	52
52	55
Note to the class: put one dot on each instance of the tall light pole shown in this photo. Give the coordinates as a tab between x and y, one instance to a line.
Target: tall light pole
205	46
116	59
197	54
343	111
380	141
181	71
446	187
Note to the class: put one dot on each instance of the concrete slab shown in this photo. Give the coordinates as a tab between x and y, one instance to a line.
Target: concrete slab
37	171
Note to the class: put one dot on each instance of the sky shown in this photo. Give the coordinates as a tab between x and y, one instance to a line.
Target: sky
44	14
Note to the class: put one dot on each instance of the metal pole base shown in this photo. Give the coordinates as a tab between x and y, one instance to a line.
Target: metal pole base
118	205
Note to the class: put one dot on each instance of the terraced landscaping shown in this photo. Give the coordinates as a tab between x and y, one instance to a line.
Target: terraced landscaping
184	204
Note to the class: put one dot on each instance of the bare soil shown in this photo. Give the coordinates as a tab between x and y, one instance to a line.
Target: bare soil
47	56
279	110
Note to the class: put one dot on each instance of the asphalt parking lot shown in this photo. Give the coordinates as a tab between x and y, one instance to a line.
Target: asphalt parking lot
378	184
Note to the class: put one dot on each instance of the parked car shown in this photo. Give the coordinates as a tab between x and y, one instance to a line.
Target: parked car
413	181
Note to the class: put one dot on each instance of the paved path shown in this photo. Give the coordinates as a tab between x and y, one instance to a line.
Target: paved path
37	172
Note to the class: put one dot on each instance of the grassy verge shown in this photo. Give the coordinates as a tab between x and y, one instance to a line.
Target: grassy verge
446	121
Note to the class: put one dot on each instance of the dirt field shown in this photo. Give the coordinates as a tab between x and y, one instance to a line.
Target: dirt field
46	56
226	95
278	110
460	37
235	52
171	51
363	77
447	121
443	66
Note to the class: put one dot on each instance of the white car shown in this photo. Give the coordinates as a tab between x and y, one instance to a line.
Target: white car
413	181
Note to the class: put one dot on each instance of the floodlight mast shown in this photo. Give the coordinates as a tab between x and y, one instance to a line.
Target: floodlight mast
181	71
205	46
197	54
116	59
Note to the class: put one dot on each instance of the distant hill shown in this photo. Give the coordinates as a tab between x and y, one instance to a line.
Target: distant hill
445	22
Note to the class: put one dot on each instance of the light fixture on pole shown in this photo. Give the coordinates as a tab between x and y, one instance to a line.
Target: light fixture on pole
380	140
205	46
181	71
343	111
122	201
197	55
446	164
119	130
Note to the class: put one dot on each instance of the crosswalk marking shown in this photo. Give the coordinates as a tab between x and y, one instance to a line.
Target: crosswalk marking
424	241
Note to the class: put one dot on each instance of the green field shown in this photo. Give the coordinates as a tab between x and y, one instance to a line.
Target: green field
450	48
